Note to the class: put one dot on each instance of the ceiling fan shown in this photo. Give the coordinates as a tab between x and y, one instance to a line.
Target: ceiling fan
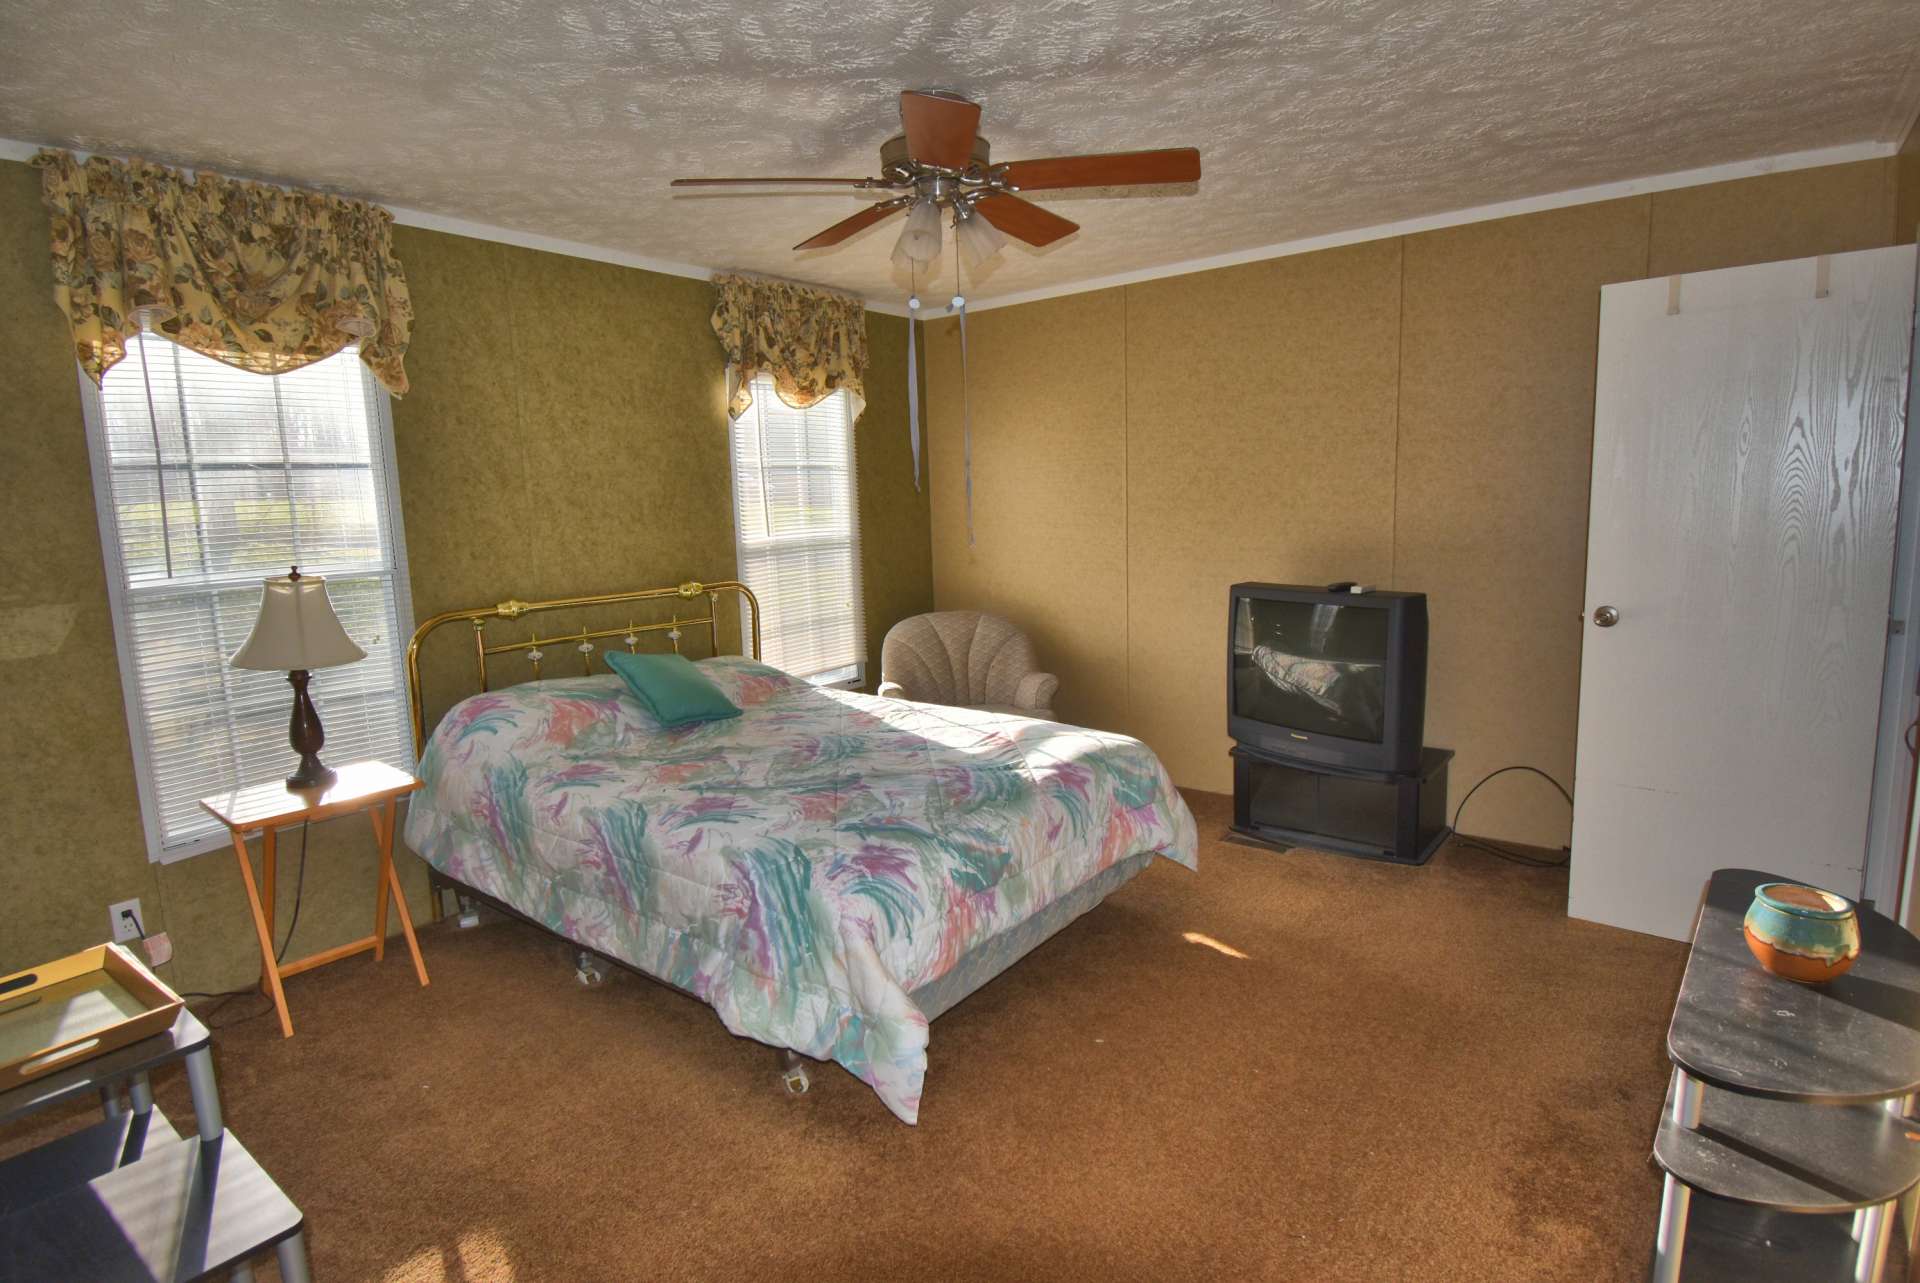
941	162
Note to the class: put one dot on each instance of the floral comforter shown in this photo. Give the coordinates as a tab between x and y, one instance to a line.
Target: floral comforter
804	867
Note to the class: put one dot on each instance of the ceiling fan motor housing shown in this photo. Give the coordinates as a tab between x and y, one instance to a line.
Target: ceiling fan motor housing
896	164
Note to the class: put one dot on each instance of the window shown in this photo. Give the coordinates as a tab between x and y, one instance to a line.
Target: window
796	519
208	480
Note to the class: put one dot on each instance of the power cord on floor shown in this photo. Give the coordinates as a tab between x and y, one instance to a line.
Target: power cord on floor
1494	848
293	921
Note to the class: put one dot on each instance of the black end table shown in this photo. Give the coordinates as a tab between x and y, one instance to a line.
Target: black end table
128	1198
1787	1109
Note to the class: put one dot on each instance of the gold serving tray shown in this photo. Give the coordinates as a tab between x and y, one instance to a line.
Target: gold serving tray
63	1012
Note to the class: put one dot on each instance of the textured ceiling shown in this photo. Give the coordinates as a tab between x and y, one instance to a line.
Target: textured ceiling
567	119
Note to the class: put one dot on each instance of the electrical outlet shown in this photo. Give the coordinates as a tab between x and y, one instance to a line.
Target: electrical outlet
127	920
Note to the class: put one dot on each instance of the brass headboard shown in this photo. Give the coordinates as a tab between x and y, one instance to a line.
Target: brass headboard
582	641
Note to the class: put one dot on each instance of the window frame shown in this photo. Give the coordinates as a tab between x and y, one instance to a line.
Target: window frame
92	410
762	385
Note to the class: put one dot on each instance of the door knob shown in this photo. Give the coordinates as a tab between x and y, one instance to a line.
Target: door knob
1605	616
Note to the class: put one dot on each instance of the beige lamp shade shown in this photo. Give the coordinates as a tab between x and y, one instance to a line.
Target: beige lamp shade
297	629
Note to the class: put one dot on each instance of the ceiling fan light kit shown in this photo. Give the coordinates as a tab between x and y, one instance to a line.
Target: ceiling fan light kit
919	243
979	239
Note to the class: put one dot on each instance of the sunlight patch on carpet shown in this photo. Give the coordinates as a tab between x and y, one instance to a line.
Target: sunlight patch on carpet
477	1256
1194	937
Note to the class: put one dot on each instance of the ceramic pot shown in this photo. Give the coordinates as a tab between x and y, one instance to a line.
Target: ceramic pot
1802	933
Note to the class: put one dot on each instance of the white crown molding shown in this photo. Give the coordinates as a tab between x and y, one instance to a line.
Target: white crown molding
13	149
1840	155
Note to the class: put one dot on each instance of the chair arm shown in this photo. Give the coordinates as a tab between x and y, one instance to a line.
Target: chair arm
891	690
1036	691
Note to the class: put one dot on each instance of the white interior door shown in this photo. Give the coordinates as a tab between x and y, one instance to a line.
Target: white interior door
1746	460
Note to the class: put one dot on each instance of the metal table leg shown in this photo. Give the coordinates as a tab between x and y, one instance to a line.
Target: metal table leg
206	1095
292	1252
1876	1235
242	1272
1687	1095
1675	1197
141	1090
1907	1206
110	1103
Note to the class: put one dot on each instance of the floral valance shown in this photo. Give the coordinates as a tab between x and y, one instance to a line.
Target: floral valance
260	277
811	341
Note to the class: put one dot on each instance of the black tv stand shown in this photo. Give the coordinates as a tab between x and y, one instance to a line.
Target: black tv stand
1381	815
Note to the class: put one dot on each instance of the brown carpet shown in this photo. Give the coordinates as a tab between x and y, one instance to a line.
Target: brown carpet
1412	1074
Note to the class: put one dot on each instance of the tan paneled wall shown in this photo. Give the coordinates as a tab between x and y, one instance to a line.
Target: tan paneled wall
1239	450
1763	220
1906	218
565	433
1416	412
1496	419
1050	486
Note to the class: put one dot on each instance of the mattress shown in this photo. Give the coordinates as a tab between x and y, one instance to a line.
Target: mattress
827	871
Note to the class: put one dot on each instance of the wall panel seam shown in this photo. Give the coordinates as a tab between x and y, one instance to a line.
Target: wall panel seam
1399	399
1126	511
537	569
1893	192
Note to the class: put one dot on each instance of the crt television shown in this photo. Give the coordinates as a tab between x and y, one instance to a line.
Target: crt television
1328	675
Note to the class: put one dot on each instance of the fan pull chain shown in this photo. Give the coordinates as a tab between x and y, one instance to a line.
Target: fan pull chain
959	305
913	373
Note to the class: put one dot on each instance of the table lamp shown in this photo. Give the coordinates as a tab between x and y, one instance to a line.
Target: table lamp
297	631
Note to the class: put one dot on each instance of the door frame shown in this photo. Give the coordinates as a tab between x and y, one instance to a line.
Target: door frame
1889	879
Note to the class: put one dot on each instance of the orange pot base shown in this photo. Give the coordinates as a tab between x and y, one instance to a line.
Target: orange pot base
1795	966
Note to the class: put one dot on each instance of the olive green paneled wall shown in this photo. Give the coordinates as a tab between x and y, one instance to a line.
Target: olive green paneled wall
1415	412
565	434
64	856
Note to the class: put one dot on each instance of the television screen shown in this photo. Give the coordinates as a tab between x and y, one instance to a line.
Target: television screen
1318	668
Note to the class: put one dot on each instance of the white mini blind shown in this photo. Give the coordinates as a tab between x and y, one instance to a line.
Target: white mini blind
796	518
210	479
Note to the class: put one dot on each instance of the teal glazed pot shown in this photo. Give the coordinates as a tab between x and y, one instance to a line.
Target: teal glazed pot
1802	933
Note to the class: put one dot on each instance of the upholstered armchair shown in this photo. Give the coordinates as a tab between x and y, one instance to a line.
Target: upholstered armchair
968	659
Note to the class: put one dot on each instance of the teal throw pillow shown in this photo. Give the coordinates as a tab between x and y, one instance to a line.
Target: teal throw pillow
671	688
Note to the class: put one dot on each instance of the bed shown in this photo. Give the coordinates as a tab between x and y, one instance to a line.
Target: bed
829	871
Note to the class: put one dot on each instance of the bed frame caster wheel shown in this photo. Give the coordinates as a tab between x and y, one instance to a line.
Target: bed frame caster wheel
589	969
469	912
793	1073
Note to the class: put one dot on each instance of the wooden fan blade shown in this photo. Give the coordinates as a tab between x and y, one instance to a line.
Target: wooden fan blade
1115	169
848	226
817	182
1025	220
939	130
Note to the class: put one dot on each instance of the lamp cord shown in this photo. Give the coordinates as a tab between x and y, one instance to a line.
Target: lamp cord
293	922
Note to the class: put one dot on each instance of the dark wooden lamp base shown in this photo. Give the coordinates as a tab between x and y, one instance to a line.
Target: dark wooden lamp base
306	735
